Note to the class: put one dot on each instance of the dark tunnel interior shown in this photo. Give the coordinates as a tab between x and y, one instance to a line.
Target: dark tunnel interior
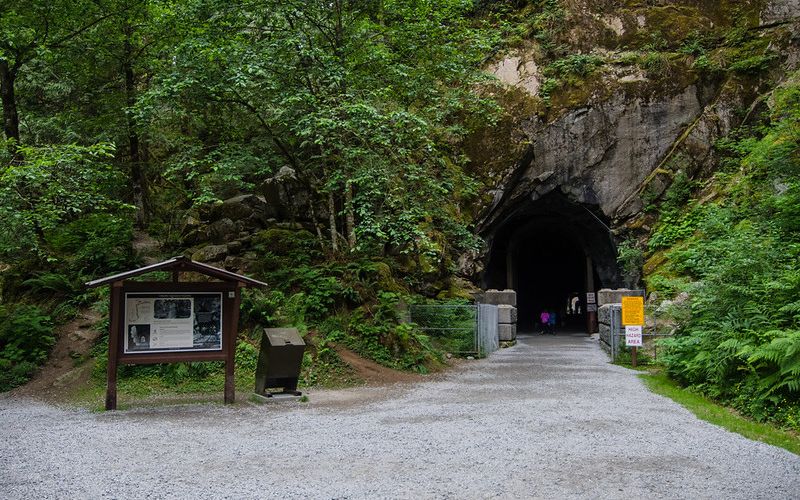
550	268
541	251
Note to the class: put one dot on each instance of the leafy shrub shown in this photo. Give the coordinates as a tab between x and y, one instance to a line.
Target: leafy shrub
246	357
630	259
94	244
375	332
741	265
26	336
674	226
259	308
574	65
54	185
753	65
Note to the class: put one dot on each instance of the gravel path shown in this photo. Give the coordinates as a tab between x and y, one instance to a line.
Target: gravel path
548	418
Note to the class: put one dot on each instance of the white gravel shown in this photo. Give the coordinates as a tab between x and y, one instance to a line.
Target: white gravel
548	418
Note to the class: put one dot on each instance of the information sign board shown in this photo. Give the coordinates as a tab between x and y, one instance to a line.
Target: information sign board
591	298
591	308
633	311
633	336
170	322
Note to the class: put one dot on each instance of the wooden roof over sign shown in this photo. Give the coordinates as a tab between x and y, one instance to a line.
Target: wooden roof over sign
182	264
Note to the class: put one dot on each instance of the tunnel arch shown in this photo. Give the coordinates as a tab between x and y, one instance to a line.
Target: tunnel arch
549	250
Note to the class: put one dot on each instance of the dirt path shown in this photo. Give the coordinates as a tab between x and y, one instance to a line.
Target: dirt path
66	370
548	418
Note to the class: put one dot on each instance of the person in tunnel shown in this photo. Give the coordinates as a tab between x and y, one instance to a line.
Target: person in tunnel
544	318
552	321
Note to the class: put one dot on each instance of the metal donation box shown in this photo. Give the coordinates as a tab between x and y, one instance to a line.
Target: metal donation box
279	361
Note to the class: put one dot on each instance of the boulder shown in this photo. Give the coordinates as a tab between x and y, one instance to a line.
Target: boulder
210	253
234	264
234	247
249	208
223	231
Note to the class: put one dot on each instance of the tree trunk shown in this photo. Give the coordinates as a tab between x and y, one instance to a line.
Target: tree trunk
351	215
316	223
10	117
332	221
137	167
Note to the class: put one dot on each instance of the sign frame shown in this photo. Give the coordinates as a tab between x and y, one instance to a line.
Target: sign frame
176	356
229	289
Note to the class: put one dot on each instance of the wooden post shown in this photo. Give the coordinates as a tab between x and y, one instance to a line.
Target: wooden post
633	356
232	330
113	345
591	316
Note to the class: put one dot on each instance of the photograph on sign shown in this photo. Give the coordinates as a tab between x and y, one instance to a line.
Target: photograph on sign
633	336
166	322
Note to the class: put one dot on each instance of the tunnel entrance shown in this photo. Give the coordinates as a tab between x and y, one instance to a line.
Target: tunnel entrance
551	251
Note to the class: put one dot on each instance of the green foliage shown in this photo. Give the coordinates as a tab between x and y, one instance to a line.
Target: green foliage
753	65
366	103
630	258
260	309
246	357
375	332
741	261
655	62
53	185
92	245
573	66
696	44
673	227
570	70
26	336
678	218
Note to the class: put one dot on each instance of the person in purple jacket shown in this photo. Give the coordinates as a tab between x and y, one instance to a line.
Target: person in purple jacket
544	317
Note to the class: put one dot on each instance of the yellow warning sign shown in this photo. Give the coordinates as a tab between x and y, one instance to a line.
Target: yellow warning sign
632	311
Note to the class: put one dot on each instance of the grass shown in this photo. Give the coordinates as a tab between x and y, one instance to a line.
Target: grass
705	409
141	391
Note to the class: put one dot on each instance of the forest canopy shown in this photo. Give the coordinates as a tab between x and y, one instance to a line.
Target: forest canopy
365	102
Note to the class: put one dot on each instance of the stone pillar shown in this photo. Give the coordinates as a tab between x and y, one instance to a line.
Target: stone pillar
609	296
609	318
506	302
610	308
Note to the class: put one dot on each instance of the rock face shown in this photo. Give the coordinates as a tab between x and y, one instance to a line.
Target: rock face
613	142
601	153
519	70
778	11
629	129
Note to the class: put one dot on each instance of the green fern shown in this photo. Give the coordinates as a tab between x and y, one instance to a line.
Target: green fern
781	360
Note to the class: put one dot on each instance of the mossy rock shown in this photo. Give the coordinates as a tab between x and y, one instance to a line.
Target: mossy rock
457	288
385	280
654	263
285	241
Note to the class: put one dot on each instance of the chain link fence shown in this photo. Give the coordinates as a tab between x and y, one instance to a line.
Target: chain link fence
458	329
655	329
